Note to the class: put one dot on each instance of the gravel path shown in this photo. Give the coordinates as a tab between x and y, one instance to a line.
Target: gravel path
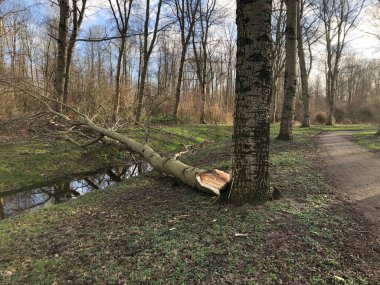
356	172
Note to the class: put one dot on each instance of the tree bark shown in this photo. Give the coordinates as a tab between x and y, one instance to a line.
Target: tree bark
116	100
2	212
303	70
147	51
213	182
250	164
290	83
202	119
274	104
330	102
140	94
278	59
177	94
77	22
121	16
206	19
184	8
2	52
60	75
330	96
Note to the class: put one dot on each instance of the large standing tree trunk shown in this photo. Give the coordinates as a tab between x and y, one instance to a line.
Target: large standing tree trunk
330	93
290	83
304	73
250	165
60	73
330	102
116	100
177	94
2	53
141	90
2	212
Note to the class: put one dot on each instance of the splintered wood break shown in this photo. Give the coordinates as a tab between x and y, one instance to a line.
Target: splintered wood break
213	180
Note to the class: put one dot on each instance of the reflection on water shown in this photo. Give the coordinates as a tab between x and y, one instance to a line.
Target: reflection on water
15	204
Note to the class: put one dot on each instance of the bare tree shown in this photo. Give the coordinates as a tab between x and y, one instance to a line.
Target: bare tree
357	96
307	35
47	68
278	52
60	74
77	19
147	48
2	51
2	212
378	36
302	63
200	41
185	11
290	83
339	18
121	14
209	181
230	68
250	165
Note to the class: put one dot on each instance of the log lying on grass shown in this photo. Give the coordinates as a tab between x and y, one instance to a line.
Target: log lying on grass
214	181
211	181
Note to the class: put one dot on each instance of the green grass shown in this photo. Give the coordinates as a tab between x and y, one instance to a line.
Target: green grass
34	163
368	139
30	163
154	230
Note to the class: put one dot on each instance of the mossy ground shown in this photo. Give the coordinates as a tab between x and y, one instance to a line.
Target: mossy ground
154	230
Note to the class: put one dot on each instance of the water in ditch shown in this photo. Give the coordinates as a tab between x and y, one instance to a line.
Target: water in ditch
27	199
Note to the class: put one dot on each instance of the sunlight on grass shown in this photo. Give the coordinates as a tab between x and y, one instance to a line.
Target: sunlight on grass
368	139
153	230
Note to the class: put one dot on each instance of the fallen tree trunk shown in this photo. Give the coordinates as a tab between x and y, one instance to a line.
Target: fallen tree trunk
209	181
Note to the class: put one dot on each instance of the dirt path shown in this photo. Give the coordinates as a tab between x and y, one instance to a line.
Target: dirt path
356	172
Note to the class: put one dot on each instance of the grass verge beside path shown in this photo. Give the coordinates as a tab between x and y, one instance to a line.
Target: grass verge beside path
368	139
154	230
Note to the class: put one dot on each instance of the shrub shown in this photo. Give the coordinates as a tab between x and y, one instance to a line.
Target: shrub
170	120
320	118
346	121
339	113
365	114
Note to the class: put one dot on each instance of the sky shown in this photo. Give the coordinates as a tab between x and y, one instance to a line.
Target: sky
360	42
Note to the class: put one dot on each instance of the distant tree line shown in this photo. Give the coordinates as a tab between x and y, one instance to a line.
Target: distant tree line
152	60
